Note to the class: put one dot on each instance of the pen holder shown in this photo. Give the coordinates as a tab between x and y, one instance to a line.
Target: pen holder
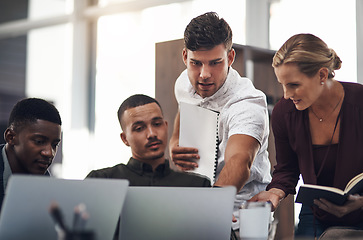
78	235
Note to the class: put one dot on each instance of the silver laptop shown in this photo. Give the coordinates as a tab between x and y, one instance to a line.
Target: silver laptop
164	213
25	214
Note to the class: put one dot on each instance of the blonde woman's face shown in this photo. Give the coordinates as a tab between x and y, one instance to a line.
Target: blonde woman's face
298	87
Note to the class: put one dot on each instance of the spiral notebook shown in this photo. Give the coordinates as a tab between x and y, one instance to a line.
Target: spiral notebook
199	129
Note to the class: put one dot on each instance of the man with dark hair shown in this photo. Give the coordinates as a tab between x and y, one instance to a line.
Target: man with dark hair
207	31
145	131
132	102
32	138
210	82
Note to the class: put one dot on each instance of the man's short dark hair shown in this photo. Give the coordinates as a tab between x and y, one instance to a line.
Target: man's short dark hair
207	31
30	110
134	101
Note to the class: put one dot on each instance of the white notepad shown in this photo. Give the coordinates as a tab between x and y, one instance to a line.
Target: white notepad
25	215
199	129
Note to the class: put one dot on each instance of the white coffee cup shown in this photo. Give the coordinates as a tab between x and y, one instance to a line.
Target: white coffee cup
254	219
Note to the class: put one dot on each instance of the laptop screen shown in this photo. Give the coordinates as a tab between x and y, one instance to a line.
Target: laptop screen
177	213
25	214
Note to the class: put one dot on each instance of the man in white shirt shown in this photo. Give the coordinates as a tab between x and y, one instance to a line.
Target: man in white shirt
210	82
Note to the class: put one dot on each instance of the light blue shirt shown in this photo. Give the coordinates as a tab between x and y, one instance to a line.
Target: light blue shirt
7	169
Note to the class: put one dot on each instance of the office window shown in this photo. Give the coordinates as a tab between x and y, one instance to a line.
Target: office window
334	21
39	9
124	65
126	61
109	2
48	73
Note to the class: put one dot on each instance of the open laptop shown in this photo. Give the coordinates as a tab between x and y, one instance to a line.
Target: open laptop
164	213
25	214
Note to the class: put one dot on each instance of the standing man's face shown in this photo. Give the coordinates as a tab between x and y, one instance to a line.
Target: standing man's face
33	147
208	69
146	132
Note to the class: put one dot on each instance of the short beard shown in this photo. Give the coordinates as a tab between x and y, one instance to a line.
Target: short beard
158	156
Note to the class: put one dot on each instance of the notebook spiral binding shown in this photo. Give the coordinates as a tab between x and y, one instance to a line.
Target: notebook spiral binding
216	154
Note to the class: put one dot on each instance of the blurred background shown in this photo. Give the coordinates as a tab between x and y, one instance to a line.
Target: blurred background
87	56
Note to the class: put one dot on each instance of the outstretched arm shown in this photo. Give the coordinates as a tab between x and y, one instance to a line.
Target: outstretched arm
240	152
274	196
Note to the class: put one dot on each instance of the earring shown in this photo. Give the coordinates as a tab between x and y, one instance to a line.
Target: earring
322	83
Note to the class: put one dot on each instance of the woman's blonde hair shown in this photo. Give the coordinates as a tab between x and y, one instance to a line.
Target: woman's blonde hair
309	52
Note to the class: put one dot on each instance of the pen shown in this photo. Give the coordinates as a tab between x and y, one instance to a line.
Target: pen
77	216
84	218
57	216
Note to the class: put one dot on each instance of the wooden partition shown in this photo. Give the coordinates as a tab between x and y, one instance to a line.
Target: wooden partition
252	62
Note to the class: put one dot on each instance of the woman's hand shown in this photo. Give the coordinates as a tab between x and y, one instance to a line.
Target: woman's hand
274	195
354	202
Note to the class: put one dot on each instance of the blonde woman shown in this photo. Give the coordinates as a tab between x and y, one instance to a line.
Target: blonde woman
318	129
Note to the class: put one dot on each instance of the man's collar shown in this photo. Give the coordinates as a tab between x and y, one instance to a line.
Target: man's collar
7	168
141	167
